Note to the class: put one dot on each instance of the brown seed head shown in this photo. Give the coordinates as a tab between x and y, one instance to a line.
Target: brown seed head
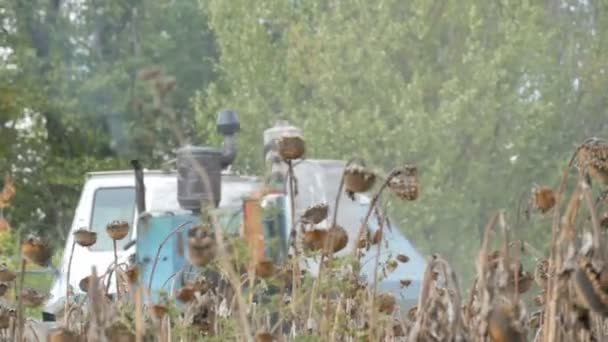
61	334
159	311
264	268
403	258
133	274
85	237
604	220
377	237
540	272
358	179
336	239
405	283
185	294
5	318
264	336
6	275
291	146
501	325
386	303
37	251
405	183
315	213
4	225
202	247
117	230
314	239
544	198
84	284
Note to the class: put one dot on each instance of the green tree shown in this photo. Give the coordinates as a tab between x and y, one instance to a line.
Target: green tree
486	97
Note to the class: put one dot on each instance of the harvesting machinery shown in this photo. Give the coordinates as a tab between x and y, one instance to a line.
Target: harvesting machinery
160	206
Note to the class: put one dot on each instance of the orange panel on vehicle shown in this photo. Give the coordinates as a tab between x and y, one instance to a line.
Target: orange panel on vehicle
253	228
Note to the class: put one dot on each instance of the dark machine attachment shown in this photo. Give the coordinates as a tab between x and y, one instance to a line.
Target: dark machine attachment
199	168
140	188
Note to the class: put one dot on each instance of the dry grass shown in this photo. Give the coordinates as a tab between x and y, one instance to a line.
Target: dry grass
279	302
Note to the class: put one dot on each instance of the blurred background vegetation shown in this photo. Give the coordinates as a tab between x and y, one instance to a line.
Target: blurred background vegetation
487	97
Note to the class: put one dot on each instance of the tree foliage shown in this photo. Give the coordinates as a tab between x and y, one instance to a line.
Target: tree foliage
487	97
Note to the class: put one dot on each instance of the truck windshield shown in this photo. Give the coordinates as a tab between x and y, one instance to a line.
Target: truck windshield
111	204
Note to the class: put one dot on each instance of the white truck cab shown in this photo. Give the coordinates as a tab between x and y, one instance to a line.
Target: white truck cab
109	196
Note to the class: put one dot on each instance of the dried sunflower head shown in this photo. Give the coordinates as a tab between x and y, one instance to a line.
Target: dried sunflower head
186	293
592	157
543	198
291	146
62	334
37	251
316	213
264	268
6	275
404	183
117	230
85	237
202	247
264	336
386	303
358	178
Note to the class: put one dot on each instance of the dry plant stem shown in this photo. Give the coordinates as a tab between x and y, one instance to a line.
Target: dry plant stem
139	320
334	330
233	278
422	299
596	225
330	243
295	269
339	194
482	260
160	247
175	275
506	256
315	286
372	204
372	315
483	253
67	286
549	324
20	301
471	299
116	270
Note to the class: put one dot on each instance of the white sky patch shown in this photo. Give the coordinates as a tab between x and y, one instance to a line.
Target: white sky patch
513	159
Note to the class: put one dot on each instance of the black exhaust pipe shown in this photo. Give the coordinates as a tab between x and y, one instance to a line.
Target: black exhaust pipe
140	189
